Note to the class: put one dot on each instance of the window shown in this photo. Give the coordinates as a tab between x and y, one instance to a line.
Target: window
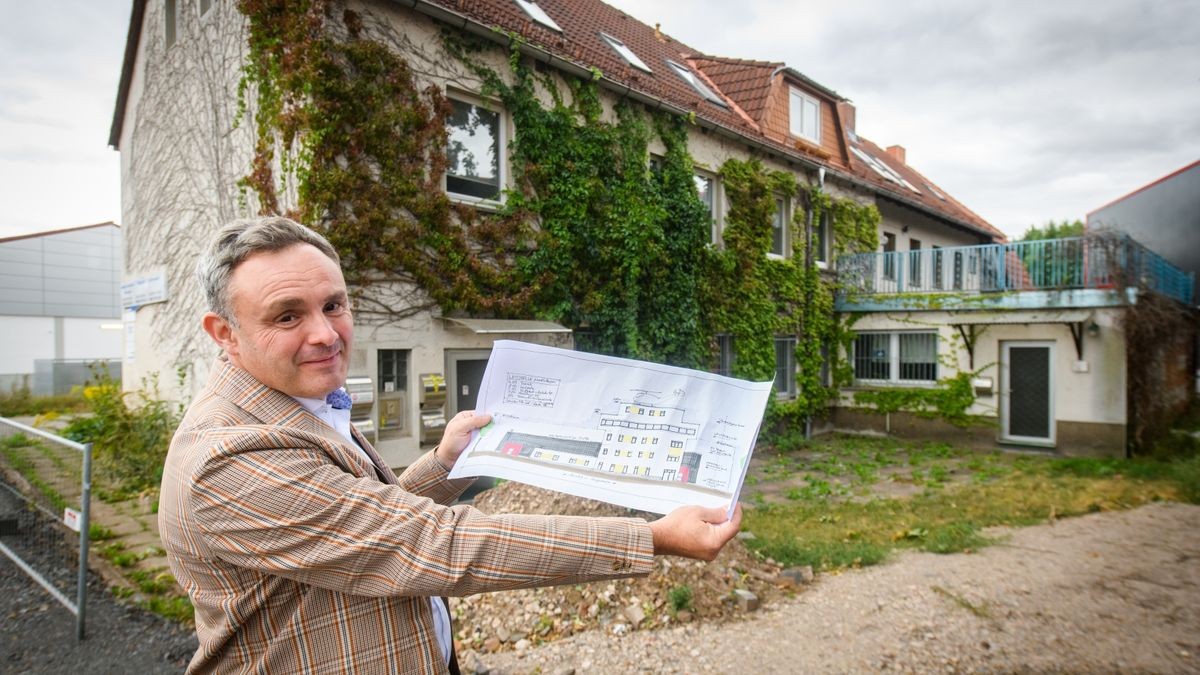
804	116
889	258
538	14
914	262
473	152
625	52
704	190
821	239
688	76
896	357
169	22
785	366
880	167
779	229
725	355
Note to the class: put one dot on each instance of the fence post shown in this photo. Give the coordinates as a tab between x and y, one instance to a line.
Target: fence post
85	499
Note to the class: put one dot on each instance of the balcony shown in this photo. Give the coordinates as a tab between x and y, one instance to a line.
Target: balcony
1088	271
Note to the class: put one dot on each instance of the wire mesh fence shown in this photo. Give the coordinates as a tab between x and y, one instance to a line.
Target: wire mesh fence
45	494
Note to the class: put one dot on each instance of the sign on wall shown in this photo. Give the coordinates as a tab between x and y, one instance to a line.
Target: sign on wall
144	290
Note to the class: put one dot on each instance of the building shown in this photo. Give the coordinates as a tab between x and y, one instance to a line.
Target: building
60	306
1164	215
186	126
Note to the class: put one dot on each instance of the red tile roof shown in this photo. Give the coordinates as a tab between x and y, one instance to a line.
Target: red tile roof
744	84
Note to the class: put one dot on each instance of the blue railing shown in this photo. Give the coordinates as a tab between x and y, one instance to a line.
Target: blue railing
1101	261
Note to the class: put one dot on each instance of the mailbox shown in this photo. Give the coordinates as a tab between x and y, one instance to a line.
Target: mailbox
362	402
433	407
983	386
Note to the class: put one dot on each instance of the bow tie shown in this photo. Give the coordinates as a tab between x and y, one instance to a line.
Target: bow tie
338	399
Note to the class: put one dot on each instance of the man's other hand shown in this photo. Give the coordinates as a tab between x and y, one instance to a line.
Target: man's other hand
458	435
694	531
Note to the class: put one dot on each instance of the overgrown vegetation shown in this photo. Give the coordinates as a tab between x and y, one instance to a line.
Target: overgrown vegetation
857	500
129	440
21	401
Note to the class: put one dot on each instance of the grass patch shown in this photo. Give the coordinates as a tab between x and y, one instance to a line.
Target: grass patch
980	611
21	401
16	449
814	530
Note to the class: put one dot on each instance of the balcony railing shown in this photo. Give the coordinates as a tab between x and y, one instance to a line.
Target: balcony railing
1098	261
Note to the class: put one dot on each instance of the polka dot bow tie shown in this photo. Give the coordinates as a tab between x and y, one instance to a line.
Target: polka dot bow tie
339	399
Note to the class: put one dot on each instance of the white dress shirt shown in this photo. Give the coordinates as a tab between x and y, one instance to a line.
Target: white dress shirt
340	421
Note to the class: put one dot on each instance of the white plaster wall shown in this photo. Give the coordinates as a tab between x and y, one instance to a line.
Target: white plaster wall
91	338
1096	396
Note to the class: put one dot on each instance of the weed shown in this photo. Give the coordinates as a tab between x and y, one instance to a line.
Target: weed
680	598
980	611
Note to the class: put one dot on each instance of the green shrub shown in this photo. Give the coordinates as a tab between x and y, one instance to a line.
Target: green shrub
129	442
680	598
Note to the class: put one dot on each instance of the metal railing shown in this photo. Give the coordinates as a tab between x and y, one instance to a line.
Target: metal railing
52	478
1093	261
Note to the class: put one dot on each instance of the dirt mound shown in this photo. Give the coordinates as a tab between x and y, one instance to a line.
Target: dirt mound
499	621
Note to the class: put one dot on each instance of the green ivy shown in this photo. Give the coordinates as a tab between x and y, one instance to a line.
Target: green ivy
949	400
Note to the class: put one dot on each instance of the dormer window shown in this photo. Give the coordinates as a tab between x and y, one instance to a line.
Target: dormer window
625	52
691	78
883	169
538	14
804	116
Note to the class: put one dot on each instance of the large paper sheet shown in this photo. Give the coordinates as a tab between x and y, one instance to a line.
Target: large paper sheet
641	435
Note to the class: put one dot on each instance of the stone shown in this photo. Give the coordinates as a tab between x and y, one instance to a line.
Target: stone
745	535
503	634
798	575
620	629
635	614
479	668
746	600
684	616
491	644
523	644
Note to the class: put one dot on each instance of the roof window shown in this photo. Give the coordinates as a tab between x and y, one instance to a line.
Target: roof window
691	78
538	14
883	169
625	52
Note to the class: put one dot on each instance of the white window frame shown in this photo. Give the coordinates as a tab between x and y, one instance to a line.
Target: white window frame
501	151
170	23
796	101
538	14
894	359
625	52
782	204
823	224
786	389
715	212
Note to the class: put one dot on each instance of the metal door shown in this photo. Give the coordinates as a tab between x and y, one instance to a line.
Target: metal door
468	373
1027	407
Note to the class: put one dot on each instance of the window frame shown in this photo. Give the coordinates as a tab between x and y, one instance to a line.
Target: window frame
501	149
170	23
687	75
539	15
789	343
796	123
822	229
783	207
894	364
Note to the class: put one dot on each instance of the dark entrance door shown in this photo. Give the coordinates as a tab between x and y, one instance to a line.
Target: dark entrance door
468	374
1029	405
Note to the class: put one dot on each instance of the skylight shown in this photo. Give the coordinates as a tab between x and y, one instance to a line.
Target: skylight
625	52
883	169
691	78
538	14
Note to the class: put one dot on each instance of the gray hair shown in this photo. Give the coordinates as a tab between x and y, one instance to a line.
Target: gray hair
241	239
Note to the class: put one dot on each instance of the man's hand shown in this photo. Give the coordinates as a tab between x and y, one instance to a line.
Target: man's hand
694	531
457	435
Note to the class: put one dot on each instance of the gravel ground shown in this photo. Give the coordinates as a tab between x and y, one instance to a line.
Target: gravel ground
37	634
1105	593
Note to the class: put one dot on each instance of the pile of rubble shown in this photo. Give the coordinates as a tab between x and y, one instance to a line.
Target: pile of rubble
677	591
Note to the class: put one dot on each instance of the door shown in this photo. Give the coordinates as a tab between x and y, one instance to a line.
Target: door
1027	409
464	370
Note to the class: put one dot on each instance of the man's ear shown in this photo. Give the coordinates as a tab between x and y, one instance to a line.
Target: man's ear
221	332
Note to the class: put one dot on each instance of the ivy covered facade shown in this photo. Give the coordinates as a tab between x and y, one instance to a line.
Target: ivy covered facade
593	184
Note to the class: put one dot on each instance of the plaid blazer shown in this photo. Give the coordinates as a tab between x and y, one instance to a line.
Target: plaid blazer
298	556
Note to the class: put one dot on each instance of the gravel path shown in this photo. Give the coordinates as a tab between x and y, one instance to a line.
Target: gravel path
37	634
1108	592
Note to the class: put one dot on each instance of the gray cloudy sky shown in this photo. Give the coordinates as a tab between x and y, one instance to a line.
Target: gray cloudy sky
1024	110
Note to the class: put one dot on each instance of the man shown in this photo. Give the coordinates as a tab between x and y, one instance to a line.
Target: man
301	551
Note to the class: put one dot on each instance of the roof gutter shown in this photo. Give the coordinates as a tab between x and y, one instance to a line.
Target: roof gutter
132	40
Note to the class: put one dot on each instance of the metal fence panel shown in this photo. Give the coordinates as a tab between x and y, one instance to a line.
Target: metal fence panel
46	478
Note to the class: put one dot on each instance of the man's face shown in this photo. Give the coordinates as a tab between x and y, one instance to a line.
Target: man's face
294	328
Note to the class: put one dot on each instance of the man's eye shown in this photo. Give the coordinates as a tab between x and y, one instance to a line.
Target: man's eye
335	307
287	318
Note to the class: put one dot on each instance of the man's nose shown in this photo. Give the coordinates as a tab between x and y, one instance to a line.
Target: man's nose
322	332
